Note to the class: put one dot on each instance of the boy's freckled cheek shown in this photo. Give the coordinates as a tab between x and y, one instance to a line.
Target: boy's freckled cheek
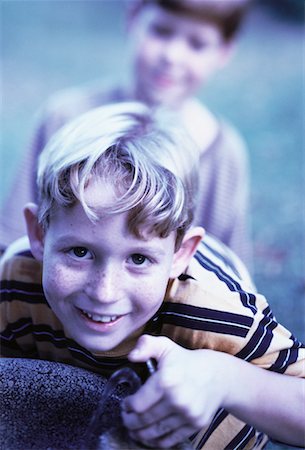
152	297
58	282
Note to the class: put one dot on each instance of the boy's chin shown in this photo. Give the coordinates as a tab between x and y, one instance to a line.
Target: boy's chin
104	345
168	101
101	347
168	98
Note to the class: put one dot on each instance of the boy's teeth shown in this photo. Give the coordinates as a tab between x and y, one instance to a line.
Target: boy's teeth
98	318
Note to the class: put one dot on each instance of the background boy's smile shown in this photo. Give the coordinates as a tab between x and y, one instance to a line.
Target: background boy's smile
173	55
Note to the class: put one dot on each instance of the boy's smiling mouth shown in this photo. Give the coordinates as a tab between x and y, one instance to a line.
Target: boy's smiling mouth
100	318
165	79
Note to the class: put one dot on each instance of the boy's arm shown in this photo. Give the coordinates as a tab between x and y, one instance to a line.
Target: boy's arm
191	385
273	403
227	176
23	188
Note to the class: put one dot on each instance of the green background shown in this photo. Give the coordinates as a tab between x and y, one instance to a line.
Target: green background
50	45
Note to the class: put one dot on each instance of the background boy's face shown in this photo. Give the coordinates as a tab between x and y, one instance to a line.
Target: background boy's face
173	55
102	282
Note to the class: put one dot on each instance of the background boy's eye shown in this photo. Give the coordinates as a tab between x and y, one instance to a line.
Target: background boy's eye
138	259
161	30
197	44
80	252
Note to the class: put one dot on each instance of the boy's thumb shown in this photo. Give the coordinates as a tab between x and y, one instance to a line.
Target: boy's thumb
150	347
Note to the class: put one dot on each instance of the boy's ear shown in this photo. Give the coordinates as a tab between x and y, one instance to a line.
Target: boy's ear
187	249
133	10
34	229
226	54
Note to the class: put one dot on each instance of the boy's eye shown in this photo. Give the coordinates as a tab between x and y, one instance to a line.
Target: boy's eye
197	44
161	30
138	259
80	252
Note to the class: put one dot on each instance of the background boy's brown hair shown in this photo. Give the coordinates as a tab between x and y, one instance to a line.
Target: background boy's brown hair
227	15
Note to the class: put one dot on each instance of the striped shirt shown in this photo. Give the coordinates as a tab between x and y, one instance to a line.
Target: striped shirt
212	306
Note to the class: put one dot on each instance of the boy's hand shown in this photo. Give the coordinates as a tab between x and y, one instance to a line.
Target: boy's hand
188	388
180	398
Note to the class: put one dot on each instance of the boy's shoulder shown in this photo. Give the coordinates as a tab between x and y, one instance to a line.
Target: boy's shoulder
18	266
213	133
215	279
200	122
214	304
67	103
216	257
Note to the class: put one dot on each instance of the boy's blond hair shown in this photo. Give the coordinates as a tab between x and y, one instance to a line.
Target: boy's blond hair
149	160
227	15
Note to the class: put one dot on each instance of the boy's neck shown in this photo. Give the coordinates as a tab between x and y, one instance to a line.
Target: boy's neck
199	121
125	347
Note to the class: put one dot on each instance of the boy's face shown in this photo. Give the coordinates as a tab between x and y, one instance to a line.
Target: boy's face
102	282
173	55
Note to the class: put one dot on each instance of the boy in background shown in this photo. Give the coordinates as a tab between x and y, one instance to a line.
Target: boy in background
176	47
120	272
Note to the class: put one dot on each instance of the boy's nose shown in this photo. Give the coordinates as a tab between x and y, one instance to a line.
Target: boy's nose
174	52
104	286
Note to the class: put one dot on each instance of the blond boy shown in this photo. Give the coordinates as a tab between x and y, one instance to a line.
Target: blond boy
116	270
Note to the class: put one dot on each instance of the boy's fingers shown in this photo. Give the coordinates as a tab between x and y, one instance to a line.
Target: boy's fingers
173	438
158	429
164	434
145	398
156	413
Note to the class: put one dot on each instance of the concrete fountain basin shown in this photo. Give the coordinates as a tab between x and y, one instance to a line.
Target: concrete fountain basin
49	406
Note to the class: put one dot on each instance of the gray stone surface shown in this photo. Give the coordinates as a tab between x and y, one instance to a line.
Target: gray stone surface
48	405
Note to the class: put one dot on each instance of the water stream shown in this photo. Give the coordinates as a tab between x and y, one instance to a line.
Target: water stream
125	382
110	434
